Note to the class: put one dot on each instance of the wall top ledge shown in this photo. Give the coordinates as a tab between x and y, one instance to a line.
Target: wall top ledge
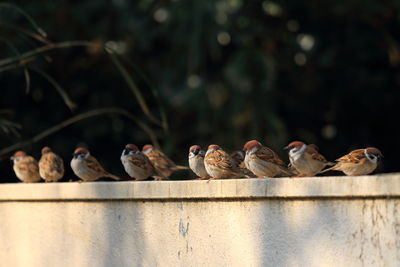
372	186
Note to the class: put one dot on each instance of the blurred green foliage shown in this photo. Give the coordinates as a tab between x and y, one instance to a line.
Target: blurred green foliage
325	72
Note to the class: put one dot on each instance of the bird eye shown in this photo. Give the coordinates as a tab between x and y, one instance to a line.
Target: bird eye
372	157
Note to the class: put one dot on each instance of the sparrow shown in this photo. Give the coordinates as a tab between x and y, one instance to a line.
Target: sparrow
305	159
358	162
262	161
163	165
219	165
87	168
25	167
137	164
51	166
196	162
238	157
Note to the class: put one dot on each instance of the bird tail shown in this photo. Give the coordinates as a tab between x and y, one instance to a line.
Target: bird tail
160	177
286	171
112	176
179	167
329	169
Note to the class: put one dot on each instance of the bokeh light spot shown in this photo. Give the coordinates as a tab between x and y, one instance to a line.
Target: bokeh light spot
300	59
161	15
329	131
223	38
117	47
306	41
193	81
272	9
221	18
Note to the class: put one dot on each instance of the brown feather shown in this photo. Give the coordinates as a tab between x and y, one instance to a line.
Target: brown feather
315	155
354	156
267	154
51	166
94	165
164	165
221	160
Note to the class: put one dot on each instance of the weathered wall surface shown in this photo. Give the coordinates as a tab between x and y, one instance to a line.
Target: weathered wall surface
293	230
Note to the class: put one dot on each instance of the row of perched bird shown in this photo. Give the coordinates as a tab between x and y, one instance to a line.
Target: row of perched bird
254	160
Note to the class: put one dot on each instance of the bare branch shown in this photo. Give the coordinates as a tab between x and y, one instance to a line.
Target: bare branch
27	16
77	118
132	85
32	35
70	104
17	65
43	49
27	80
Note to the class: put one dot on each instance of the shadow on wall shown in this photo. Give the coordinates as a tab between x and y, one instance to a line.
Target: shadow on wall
72	233
329	232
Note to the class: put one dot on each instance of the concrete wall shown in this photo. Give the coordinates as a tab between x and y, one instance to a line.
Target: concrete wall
327	221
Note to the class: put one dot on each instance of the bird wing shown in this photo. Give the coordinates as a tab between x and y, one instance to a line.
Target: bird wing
220	159
237	157
224	160
51	164
142	161
160	160
315	155
32	164
266	154
92	163
353	157
58	165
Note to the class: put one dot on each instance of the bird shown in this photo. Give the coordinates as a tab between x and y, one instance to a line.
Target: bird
196	162
87	168
25	167
305	159
358	162
220	165
138	165
51	166
163	165
238	157
262	161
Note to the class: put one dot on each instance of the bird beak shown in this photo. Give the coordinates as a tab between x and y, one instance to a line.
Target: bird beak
286	148
12	158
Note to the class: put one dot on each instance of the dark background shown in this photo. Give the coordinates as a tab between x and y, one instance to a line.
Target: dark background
324	72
